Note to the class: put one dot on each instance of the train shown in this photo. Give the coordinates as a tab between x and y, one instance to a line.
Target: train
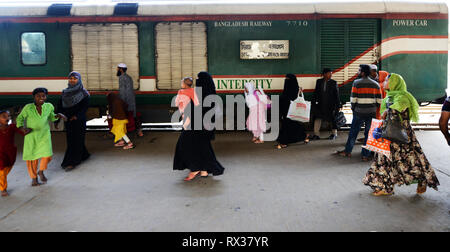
235	41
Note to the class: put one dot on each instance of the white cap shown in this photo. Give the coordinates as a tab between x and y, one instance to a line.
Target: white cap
122	65
373	67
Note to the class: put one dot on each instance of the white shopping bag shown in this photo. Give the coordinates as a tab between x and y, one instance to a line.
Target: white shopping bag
299	110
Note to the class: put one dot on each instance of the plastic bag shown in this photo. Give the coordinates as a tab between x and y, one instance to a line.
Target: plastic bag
299	110
380	145
340	119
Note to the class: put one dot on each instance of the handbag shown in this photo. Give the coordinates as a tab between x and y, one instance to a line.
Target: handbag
340	119
392	128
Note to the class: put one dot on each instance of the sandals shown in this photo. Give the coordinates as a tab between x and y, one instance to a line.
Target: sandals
281	146
129	146
258	141
421	189
381	193
120	143
190	177
343	153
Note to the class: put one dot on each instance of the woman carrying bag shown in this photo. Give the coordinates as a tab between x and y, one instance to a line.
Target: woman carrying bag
290	131
408	163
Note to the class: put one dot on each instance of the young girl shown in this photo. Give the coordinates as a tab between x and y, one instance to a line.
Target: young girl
257	103
117	109
38	144
8	149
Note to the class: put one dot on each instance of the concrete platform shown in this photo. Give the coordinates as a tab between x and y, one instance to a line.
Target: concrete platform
301	188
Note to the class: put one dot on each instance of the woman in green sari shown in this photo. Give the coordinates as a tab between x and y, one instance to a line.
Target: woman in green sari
408	163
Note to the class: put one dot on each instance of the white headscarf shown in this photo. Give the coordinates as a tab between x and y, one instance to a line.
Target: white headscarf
250	98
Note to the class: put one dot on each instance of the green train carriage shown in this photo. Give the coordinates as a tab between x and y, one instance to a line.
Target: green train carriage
236	43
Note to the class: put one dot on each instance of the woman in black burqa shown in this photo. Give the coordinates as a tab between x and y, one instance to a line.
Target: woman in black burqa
73	104
291	131
194	150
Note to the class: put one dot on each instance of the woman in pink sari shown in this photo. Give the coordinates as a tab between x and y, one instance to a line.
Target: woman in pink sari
257	103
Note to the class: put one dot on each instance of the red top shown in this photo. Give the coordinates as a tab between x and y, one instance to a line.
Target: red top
382	75
8	149
184	96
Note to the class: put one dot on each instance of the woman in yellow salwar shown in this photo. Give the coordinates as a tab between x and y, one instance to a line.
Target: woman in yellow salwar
117	109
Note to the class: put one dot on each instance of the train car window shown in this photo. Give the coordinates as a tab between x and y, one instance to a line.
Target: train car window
33	48
97	49
181	50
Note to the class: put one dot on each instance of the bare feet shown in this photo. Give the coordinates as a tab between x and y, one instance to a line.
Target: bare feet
5	193
42	176
35	182
191	176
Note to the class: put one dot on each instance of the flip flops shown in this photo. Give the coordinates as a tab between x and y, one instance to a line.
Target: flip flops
119	144
129	146
189	178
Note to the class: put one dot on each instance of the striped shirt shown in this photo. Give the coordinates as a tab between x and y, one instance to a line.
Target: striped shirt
365	97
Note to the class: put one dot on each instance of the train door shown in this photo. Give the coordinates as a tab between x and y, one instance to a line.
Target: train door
347	43
181	51
97	49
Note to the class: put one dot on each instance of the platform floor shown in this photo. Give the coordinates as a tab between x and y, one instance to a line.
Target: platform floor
301	188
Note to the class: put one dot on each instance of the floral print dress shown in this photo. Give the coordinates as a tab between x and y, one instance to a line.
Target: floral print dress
409	164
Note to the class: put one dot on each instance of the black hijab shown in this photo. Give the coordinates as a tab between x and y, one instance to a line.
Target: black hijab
206	82
290	93
291	88
72	95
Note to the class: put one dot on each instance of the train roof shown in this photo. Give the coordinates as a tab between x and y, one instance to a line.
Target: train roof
44	8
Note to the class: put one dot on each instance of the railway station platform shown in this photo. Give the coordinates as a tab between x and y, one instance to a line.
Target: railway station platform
300	188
